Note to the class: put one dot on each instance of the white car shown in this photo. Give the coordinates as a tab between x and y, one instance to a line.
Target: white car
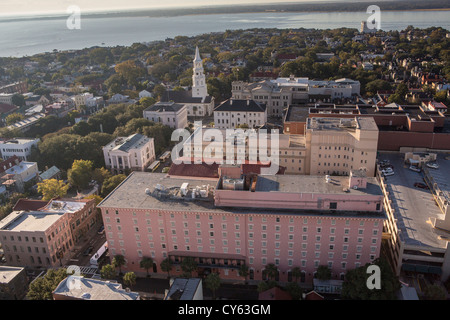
413	168
387	172
433	165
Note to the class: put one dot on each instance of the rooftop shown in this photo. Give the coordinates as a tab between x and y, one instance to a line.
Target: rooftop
92	289
241	105
125	144
144	190
8	273
165	107
183	289
65	206
29	221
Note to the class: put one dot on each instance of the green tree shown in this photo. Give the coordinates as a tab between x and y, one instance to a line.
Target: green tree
42	288
18	100
212	282
166	266
81	173
271	271
52	188
435	292
118	261
189	265
146	263
108	272
13	118
294	290
296	273
129	279
355	284
111	183
244	271
323	273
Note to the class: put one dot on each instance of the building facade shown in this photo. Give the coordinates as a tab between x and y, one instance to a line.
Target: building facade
278	94
19	147
135	152
46	237
169	114
254	220
234	113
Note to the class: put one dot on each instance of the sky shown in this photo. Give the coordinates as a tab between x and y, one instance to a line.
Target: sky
35	7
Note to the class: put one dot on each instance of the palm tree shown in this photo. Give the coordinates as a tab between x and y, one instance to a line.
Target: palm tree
108	272
212	282
146	263
272	271
166	265
129	279
188	265
296	273
243	272
118	262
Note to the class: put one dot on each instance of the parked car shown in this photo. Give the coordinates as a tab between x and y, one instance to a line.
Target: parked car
433	165
88	251
414	168
387	172
420	185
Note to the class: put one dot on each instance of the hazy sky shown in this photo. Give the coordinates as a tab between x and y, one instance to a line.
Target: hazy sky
19	7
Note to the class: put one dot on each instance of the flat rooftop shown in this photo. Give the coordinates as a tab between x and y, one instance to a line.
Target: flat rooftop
145	190
29	221
64	206
92	289
8	273
414	207
314	184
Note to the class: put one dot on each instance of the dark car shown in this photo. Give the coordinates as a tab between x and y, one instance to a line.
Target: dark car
420	185
88	251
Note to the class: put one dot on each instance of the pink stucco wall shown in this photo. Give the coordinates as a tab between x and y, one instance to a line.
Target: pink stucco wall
256	236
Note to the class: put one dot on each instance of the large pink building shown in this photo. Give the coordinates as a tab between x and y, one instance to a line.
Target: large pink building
288	220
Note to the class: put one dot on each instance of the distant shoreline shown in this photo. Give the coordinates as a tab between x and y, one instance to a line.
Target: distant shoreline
395	5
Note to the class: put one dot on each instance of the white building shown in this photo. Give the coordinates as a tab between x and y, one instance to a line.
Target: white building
21	147
135	152
198	78
80	99
279	93
6	98
233	113
144	94
170	114
22	173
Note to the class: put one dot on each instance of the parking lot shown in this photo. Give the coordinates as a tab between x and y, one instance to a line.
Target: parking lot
414	206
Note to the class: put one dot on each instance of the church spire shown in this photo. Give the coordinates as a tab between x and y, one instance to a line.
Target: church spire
197	55
199	88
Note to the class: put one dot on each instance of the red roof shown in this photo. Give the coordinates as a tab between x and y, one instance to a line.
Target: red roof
286	56
274	293
5	108
211	170
29	205
8	163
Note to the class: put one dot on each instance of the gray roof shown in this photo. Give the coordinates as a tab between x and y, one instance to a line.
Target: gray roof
241	105
183	289
183	97
165	107
50	173
127	143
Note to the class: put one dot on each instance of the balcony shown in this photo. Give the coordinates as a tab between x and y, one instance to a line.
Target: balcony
209	260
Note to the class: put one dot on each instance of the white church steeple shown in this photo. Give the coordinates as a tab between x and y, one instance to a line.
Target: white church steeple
198	78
